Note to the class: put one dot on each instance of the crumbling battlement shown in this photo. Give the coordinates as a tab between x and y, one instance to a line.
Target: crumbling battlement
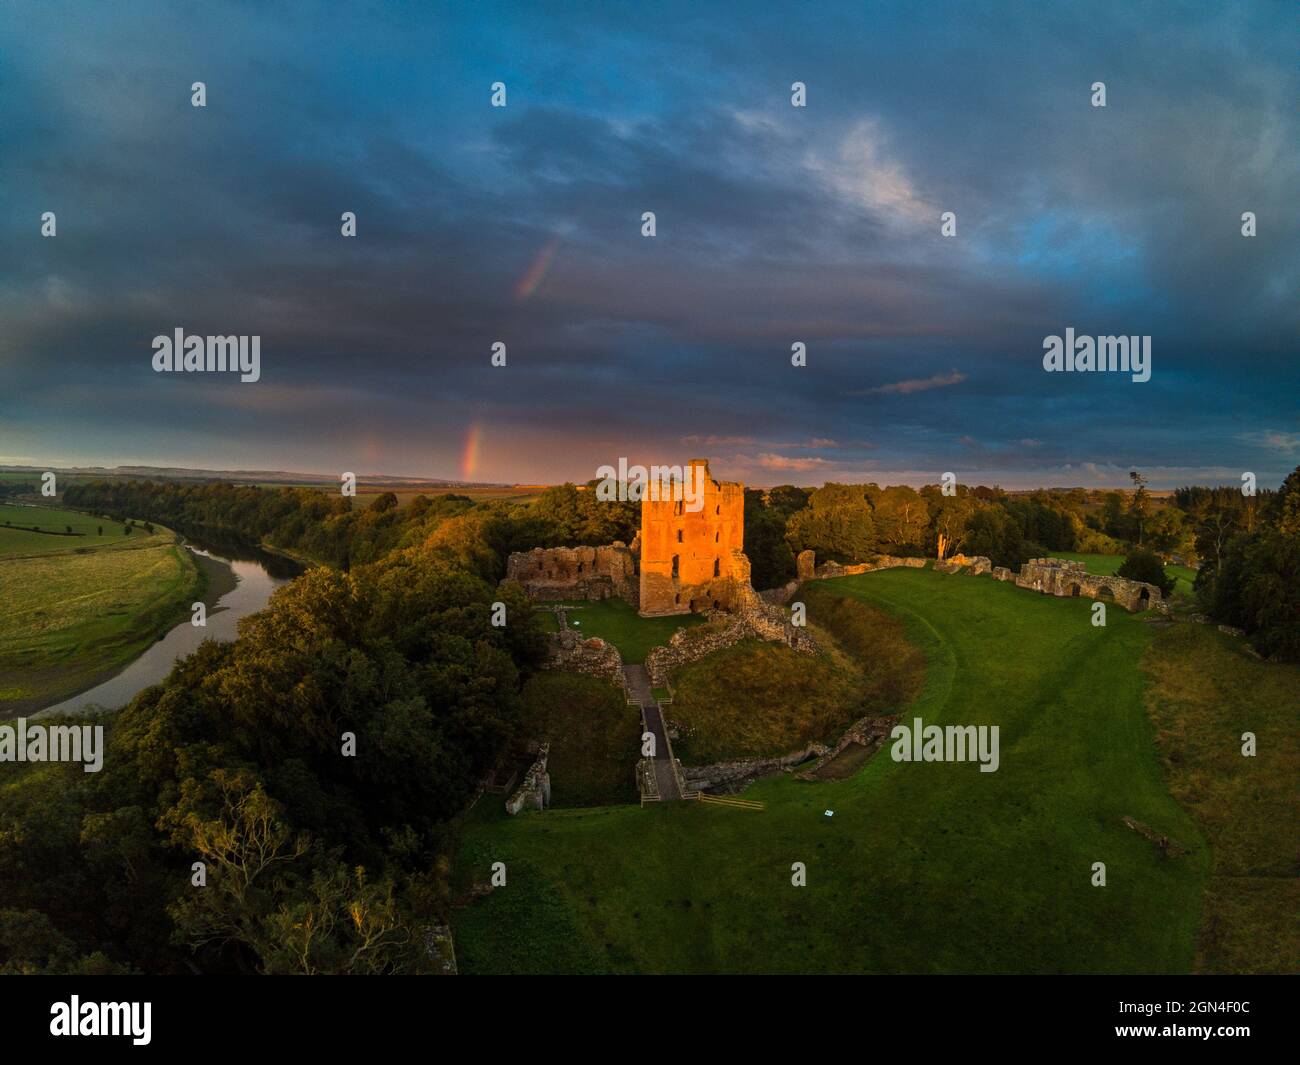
576	572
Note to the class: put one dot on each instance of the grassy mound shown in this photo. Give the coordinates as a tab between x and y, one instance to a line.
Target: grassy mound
892	667
594	734
756	698
925	867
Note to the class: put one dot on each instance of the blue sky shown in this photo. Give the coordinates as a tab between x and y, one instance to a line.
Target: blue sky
775	224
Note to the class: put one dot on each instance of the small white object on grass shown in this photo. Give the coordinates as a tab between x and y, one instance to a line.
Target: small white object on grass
830	813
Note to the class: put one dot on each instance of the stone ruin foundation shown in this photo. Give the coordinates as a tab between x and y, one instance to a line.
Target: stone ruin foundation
1064	578
576	572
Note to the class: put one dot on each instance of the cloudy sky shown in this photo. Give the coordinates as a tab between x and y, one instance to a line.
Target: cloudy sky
775	225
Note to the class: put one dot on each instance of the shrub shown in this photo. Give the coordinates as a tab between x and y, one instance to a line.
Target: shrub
1143	565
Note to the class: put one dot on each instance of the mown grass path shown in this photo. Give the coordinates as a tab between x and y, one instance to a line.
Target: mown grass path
931	867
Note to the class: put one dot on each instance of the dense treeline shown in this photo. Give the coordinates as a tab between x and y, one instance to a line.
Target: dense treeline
1250	561
854	522
317	858
328	528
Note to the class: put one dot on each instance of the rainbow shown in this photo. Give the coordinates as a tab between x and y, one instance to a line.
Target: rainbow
469	457
536	271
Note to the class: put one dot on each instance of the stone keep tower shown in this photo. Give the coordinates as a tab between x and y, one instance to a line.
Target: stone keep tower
694	561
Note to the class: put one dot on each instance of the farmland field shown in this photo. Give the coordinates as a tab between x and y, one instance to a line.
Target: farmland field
53	537
75	609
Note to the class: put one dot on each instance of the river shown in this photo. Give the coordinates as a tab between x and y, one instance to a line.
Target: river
257	573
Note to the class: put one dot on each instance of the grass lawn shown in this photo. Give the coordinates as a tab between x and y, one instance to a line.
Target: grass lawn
1105	565
72	617
618	623
1204	693
594	734
925	867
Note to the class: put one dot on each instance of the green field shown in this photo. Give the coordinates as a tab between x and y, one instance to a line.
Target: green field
616	622
1105	565
18	539
75	609
930	867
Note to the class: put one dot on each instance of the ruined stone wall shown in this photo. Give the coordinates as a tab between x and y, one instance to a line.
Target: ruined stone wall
694	560
974	566
869	732
805	565
755	620
592	655
810	571
535	791
576	572
1065	578
738	774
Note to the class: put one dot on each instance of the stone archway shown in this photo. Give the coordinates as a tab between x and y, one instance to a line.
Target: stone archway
1104	593
1075	589
1144	599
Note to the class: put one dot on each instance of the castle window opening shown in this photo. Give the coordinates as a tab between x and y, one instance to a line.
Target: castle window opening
717	568
676	570
679	536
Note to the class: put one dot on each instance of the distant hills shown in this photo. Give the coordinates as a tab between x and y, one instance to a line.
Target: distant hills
284	477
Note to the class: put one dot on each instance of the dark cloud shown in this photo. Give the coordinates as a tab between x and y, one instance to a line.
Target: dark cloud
775	225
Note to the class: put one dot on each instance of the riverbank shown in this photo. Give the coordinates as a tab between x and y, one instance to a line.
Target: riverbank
71	620
240	581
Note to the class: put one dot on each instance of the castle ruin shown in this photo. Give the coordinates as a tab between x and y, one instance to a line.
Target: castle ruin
683	560
693	560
